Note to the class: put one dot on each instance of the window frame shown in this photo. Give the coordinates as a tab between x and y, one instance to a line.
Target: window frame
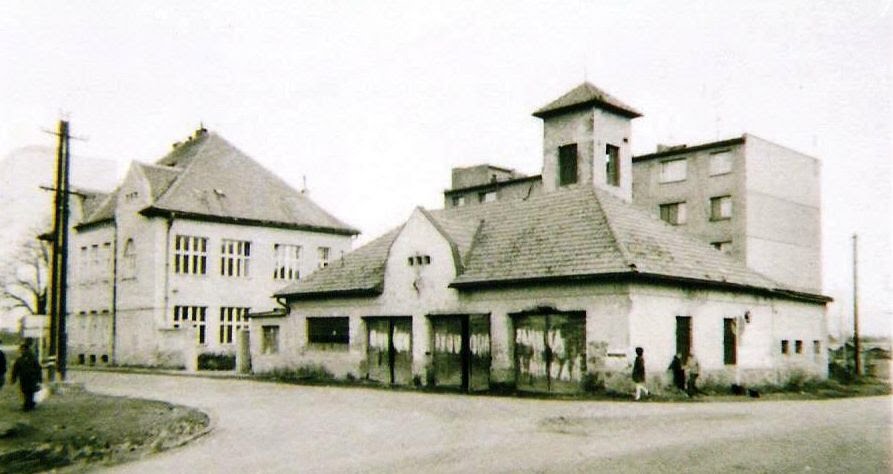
322	256
235	258
232	318
612	165
730	341
197	316
716	208
565	153
266	332
339	326
712	169
664	177
673	209
287	261
190	255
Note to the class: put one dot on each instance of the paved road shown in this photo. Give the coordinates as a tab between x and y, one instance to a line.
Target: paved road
264	427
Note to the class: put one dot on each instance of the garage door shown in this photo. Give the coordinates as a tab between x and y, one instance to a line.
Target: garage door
550	351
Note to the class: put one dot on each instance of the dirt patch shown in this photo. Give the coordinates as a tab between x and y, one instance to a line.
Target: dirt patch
75	427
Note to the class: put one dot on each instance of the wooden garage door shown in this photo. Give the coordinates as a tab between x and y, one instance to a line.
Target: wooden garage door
461	351
389	349
550	351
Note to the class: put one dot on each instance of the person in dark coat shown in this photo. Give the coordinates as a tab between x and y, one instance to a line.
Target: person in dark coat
26	370
639	373
678	372
2	366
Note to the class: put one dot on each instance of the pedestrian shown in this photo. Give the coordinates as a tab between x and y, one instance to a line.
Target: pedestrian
2	365
693	369
639	374
678	372
27	371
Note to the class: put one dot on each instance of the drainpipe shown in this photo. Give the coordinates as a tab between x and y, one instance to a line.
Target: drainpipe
114	292
167	263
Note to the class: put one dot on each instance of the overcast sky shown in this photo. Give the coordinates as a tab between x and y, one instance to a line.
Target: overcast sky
375	102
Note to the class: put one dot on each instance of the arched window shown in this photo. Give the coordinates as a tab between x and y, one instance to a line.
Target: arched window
128	269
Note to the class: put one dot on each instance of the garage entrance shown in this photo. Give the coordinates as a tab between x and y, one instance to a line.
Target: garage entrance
461	351
550	350
389	349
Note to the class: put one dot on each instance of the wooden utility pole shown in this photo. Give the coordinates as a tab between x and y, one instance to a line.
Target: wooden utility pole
59	263
857	347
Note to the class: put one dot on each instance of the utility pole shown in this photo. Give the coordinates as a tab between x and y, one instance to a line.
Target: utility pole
59	263
857	347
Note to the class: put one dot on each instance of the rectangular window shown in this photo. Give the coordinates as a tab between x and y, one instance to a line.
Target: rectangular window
322	255
288	262
798	346
674	170
674	213
190	255
488	196
730	341
231	320
195	315
720	163
816	347
720	208
458	201
725	246
612	165
269	342
784	346
328	330
567	164
234	257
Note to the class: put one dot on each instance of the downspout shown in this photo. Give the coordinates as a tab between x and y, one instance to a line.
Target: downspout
114	292
284	303
167	264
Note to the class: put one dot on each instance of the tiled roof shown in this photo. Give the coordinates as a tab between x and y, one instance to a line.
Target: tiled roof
360	271
583	95
208	178
568	234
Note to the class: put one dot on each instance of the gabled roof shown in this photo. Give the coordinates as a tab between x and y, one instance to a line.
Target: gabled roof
573	234
586	95
207	178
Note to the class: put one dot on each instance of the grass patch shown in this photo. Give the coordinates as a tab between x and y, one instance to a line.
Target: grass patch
80	427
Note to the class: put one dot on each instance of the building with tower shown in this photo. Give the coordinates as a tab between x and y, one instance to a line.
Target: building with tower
543	283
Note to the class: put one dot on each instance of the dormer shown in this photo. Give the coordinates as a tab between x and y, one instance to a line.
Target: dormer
586	141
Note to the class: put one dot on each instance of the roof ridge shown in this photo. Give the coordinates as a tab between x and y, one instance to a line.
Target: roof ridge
195	157
624	252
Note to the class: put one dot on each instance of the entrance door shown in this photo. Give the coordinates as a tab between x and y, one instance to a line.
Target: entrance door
683	336
389	349
461	351
550	351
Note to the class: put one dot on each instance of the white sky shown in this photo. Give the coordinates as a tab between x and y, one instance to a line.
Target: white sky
375	102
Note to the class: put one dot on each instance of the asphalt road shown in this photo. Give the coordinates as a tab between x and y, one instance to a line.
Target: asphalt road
265	427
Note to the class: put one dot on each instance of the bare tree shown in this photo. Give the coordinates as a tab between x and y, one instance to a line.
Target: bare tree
23	282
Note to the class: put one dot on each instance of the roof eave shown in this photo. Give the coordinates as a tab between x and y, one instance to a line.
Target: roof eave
153	211
96	223
631	276
551	112
691	149
343	292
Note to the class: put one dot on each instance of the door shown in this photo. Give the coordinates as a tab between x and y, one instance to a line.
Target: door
389	350
550	351
683	336
461	351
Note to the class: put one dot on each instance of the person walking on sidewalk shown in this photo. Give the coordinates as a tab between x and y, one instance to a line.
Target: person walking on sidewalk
639	374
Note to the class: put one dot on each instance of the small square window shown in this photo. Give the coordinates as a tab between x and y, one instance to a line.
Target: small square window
784	346
427	259
328	330
724	246
674	213
720	163
410	260
673	170
720	208
488	196
798	346
817	347
269	343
